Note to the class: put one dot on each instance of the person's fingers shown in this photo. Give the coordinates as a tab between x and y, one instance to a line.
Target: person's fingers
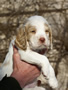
35	68
16	55
35	71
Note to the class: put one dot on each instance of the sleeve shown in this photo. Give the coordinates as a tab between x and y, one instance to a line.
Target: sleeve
9	83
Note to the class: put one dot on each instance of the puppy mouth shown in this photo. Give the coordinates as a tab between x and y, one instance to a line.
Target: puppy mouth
41	51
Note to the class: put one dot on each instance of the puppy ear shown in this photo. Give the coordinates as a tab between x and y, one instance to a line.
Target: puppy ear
21	38
50	35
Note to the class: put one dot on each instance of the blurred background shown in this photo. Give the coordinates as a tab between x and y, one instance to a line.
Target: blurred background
15	12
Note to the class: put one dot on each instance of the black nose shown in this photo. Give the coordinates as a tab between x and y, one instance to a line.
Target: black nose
42	39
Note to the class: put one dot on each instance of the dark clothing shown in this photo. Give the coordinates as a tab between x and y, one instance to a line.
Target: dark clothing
9	83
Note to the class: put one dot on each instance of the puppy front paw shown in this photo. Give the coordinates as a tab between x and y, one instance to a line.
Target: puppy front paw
53	82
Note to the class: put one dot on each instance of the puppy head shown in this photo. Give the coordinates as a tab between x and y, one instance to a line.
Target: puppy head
36	32
39	32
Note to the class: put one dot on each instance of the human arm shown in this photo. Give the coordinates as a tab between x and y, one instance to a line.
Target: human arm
23	74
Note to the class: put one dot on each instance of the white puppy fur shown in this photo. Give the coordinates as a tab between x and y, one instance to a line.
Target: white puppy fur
39	38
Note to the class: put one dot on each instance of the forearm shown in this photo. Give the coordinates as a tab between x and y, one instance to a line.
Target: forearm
9	83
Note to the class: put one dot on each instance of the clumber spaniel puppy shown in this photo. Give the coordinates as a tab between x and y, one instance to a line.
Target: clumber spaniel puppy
32	41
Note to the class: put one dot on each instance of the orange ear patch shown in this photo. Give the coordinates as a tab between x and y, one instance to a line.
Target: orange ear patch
21	39
50	33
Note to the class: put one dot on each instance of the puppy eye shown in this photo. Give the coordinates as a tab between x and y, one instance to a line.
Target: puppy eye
33	31
47	31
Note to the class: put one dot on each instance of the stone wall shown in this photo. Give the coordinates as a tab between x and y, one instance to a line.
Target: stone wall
14	12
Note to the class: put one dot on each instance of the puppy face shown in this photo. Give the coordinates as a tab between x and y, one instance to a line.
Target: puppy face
39	36
38	33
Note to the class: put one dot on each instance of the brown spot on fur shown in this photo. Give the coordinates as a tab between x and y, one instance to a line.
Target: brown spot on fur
38	83
21	39
23	35
50	33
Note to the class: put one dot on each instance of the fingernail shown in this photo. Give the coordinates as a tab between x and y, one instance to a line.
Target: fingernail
15	47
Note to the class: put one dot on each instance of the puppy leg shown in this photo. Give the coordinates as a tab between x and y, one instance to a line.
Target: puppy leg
37	59
52	79
41	61
7	66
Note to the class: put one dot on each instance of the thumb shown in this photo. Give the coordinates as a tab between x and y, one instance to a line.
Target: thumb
16	58
15	49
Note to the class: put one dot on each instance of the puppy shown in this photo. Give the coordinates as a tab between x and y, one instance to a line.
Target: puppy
32	41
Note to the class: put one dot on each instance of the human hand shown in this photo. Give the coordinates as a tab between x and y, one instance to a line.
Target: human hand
23	72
